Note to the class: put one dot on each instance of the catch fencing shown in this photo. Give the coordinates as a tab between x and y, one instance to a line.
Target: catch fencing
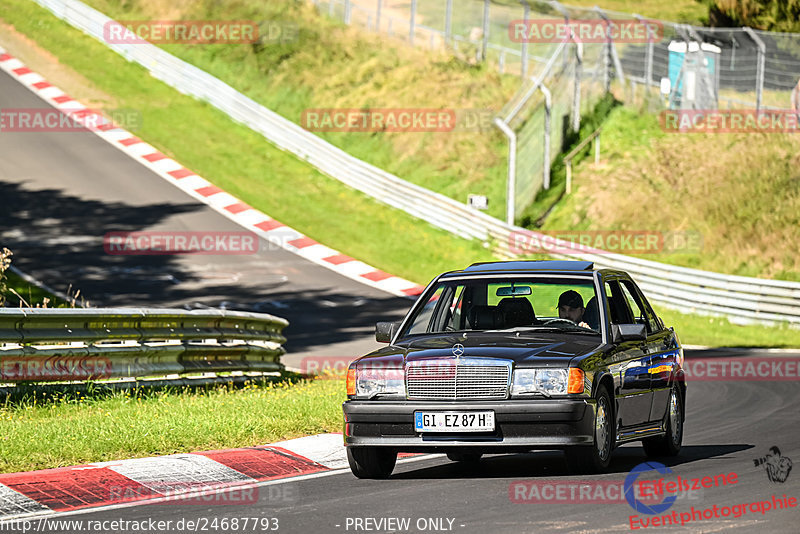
739	298
707	68
65	344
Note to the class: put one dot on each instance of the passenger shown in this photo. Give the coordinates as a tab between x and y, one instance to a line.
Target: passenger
570	306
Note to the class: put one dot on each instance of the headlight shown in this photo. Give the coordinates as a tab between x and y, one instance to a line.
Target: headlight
545	381
368	382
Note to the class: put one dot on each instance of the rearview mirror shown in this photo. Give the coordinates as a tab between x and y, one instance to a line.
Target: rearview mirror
385	331
511	291
628	332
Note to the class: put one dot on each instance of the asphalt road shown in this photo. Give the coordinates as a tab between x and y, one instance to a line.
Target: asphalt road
64	191
728	425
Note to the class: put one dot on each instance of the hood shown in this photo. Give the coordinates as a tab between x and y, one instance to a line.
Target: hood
551	350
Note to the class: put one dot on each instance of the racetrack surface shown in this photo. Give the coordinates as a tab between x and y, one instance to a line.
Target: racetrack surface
728	425
66	190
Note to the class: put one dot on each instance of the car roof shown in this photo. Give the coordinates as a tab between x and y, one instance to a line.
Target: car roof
529	265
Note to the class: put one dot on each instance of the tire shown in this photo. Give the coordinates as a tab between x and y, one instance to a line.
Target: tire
371	462
670	443
595	459
464	457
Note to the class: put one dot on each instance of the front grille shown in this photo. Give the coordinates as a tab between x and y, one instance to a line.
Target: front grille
458	379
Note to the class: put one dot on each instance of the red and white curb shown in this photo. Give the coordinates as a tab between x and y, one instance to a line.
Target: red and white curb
205	478
231	207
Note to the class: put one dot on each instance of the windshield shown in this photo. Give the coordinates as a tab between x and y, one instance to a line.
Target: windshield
536	303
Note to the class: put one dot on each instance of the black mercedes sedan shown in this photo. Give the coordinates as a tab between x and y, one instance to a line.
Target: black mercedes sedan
515	356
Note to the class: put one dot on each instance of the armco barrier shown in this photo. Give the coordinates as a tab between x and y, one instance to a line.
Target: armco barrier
739	298
41	345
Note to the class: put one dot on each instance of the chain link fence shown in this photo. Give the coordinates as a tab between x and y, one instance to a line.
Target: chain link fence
674	66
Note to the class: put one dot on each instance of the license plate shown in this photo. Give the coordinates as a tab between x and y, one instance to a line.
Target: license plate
454	421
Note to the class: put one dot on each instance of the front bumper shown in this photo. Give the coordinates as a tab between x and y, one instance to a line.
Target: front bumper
520	425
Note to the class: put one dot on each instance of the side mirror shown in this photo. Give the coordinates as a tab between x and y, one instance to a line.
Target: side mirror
385	331
628	332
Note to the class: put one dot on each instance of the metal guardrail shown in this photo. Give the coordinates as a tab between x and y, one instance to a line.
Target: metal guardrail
66	344
740	298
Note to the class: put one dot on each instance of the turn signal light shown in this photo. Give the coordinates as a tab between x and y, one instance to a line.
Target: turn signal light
575	382
351	381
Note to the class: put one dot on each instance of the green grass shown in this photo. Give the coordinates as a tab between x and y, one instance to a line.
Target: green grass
332	66
32	295
740	192
720	332
75	429
241	161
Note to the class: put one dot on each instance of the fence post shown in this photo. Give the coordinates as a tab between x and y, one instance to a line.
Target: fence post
548	109
412	21
485	43
347	7
648	57
612	51
578	78
448	21
378	15
511	180
330	8
759	65
524	53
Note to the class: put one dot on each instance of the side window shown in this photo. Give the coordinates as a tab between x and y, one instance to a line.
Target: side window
422	322
617	309
642	312
455	316
633	306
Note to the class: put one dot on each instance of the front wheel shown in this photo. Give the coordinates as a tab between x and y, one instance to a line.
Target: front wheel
595	459
371	462
670	443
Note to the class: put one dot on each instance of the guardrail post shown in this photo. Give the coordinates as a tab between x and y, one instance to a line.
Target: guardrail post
548	109
412	21
485	42
511	180
569	177
524	52
759	65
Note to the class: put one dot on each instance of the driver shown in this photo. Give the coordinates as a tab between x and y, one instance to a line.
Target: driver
570	306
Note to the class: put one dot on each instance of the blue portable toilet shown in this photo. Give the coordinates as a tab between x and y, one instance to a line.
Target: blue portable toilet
693	75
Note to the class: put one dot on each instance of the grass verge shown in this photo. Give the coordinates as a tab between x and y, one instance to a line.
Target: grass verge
74	429
242	162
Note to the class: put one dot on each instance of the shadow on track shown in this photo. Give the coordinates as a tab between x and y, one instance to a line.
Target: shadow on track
550	464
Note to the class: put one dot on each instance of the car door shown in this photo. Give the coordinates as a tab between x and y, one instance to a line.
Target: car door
660	347
629	364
